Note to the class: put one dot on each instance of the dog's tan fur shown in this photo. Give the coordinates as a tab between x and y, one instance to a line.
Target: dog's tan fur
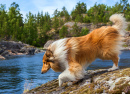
79	52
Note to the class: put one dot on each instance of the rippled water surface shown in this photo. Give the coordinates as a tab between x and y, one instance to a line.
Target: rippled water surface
24	72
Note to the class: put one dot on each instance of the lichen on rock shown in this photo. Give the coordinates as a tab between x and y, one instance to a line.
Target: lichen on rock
96	81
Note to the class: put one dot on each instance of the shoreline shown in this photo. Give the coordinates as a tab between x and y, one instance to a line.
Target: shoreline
18	55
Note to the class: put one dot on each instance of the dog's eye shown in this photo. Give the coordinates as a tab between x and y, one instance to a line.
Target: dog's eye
44	62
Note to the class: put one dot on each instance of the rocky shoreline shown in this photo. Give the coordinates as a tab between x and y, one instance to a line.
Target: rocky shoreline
95	82
12	48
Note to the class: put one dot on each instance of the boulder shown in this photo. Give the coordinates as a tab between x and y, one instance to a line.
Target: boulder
30	51
37	50
48	43
5	53
128	42
1	51
127	34
2	58
95	82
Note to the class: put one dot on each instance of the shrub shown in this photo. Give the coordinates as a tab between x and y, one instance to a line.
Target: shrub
84	31
63	32
128	28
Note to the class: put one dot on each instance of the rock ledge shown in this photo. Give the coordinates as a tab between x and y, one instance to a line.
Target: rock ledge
96	81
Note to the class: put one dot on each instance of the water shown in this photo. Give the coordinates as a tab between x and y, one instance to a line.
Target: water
24	72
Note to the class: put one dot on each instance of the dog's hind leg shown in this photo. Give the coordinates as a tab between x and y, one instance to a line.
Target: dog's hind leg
115	60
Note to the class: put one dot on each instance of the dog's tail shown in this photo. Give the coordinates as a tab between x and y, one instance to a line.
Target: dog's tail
119	23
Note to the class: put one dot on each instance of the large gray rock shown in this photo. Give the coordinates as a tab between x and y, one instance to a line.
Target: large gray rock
30	51
48	43
127	34
5	53
128	42
11	45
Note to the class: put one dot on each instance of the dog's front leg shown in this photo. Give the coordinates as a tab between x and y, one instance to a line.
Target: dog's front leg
66	76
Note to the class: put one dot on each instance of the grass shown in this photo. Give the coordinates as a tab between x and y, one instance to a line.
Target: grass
27	86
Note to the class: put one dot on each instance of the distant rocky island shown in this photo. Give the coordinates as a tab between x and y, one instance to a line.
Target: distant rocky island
12	48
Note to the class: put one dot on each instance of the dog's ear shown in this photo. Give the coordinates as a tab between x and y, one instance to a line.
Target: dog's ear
49	53
50	57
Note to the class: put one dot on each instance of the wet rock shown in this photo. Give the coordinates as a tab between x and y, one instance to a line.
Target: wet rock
31	51
5	53
1	51
38	50
2	58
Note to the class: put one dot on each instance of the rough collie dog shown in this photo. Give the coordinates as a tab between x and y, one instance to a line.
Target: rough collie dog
71	56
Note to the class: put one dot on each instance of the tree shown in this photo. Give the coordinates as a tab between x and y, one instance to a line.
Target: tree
63	32
56	23
124	4
30	28
127	13
78	11
15	21
75	31
4	24
84	31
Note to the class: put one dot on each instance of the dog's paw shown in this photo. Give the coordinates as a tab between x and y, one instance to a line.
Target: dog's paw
112	69
69	83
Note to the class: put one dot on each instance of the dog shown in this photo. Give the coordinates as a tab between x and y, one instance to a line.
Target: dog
72	56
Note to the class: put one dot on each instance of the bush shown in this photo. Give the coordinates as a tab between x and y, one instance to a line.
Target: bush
128	28
75	32
63	32
84	31
86	19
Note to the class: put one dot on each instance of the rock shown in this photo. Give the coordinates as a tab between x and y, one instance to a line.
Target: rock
95	82
2	58
37	50
31	51
128	42
5	53
48	43
127	34
1	51
23	50
20	54
12	45
11	48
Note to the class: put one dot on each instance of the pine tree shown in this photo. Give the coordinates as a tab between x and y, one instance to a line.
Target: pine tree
63	32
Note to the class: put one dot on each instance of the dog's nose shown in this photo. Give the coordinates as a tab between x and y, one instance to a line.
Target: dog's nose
42	72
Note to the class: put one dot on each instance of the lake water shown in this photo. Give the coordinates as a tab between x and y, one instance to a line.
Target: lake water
24	72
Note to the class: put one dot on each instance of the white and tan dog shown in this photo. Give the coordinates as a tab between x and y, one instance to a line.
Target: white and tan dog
71	56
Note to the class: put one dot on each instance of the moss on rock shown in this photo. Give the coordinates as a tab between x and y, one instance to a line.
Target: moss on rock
98	81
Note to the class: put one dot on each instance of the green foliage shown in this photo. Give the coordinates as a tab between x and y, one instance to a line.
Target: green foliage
127	13
55	23
75	31
86	19
63	32
84	31
128	28
80	9
35	28
79	18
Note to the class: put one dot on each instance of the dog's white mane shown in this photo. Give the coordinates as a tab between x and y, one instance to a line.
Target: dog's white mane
60	51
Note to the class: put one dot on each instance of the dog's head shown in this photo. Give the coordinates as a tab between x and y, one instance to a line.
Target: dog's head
48	58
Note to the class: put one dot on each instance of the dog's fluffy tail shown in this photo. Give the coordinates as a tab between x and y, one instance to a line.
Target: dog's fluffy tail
119	23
